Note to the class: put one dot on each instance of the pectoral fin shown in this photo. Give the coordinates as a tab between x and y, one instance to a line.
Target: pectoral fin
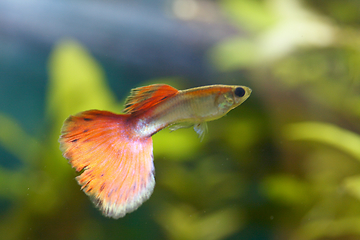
201	129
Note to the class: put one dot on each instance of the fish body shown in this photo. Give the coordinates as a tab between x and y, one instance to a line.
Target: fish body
115	152
191	106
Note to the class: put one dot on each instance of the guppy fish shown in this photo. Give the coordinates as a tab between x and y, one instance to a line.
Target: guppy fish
115	152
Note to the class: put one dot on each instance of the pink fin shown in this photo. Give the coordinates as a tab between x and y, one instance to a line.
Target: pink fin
143	98
118	170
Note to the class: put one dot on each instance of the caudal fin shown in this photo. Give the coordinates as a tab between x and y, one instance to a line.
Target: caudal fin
118	170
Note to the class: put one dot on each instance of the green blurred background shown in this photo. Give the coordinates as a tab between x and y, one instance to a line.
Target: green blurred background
284	165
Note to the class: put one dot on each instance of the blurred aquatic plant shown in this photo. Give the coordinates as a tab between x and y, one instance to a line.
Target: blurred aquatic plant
273	30
303	65
76	83
349	143
342	139
185	222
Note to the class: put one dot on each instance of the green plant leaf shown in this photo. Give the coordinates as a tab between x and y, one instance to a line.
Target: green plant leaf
335	136
77	82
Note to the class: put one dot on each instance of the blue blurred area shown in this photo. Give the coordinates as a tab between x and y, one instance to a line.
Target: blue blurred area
134	41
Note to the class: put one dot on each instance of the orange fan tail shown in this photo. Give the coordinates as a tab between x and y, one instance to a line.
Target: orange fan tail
118	170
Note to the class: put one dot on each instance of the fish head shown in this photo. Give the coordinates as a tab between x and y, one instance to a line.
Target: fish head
232	97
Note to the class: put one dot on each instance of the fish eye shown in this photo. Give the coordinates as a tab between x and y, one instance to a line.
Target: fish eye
239	91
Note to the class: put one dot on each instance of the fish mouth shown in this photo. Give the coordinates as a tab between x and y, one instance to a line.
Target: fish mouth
248	91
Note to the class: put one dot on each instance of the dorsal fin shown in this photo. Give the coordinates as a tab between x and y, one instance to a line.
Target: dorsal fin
143	98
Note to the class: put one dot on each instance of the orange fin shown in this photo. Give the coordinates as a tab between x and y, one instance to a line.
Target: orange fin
143	98
118	170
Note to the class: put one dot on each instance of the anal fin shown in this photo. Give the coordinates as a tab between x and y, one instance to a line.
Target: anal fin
200	128
177	126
